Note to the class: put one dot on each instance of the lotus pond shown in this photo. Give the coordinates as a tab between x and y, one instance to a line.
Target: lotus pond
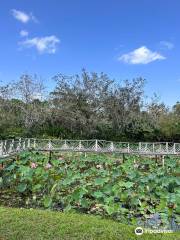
137	191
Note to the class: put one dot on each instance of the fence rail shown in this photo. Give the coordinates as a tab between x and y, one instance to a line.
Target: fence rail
10	147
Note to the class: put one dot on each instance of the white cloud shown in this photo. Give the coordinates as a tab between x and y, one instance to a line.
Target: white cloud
24	33
141	55
22	16
166	44
46	44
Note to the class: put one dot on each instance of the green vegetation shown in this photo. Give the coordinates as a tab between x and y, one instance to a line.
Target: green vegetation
86	106
32	224
138	191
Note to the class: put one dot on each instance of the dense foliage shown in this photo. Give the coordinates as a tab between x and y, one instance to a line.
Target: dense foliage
139	190
89	105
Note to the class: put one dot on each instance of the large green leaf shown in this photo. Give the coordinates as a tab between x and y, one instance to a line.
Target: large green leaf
22	187
36	187
98	194
111	209
47	201
78	193
100	181
127	184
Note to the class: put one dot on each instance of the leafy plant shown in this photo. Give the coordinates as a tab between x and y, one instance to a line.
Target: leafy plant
128	192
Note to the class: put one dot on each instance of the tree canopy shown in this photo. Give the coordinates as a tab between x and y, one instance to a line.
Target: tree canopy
89	105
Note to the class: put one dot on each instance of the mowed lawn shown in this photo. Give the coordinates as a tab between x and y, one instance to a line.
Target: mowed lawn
24	224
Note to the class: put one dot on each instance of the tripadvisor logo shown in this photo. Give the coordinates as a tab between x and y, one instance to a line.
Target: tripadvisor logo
138	231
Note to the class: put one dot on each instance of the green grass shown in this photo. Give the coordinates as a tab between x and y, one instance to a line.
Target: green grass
23	224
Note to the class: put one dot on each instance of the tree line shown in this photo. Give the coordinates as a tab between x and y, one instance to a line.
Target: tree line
85	106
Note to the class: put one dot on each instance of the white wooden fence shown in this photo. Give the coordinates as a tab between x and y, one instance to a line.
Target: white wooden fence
11	146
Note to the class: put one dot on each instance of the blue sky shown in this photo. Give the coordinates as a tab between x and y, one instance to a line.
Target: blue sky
123	38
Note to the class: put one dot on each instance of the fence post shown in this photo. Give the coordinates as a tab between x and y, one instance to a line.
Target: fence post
174	148
146	147
80	145
163	161
28	143
18	145
24	144
96	145
5	146
128	147
65	144
112	146
140	146
160	147
11	146
1	148
49	145
167	147
34	144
